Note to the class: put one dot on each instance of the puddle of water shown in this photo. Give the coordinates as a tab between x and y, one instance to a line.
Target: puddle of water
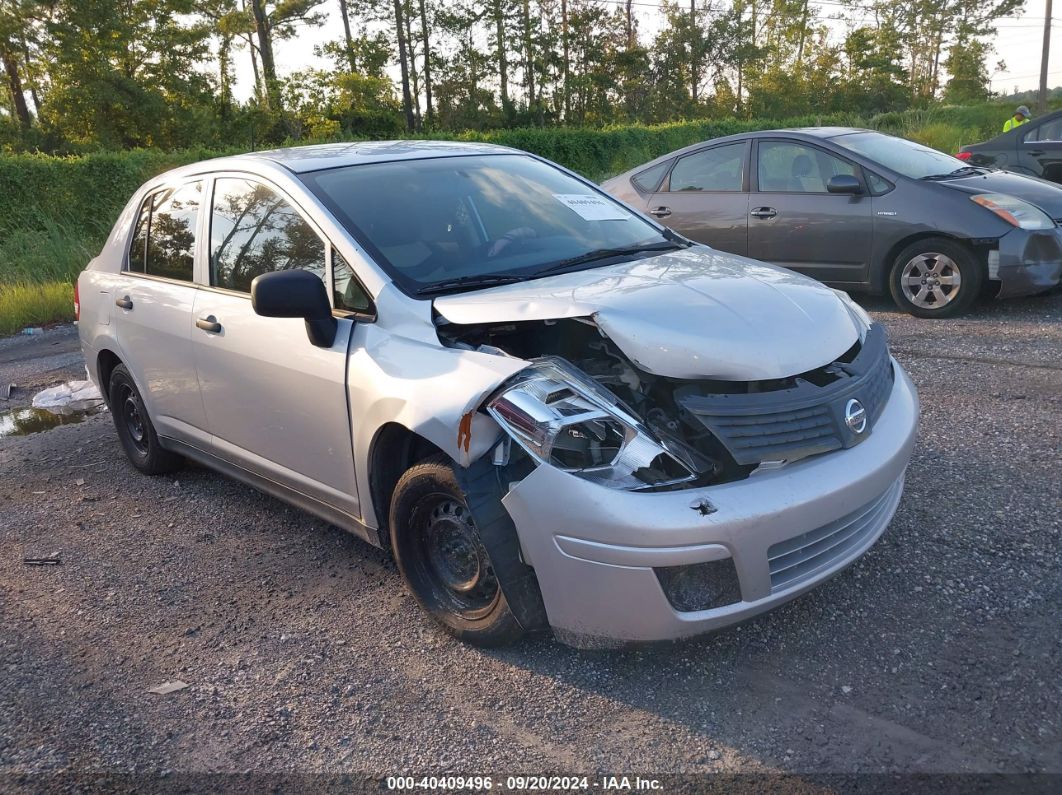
23	422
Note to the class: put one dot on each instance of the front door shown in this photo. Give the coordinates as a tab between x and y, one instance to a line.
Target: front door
796	223
154	298
1040	150
705	198
276	404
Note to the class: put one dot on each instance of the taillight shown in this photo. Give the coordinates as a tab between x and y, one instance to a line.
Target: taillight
77	303
964	155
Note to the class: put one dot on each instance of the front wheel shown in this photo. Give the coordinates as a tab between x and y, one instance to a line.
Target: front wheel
936	277
443	560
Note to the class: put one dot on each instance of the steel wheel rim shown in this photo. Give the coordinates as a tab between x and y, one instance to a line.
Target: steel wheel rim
134	422
931	280
453	557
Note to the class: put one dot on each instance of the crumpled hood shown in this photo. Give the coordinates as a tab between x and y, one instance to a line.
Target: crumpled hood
694	313
1045	195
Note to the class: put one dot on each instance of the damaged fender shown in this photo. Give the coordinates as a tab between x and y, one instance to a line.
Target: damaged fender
405	377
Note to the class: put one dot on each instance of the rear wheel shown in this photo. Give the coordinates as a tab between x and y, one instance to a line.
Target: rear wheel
936	277
134	427
442	557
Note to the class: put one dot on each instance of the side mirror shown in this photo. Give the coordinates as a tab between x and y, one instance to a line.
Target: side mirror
844	183
296	293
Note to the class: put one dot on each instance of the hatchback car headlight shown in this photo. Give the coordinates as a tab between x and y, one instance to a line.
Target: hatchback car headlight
563	418
1015	211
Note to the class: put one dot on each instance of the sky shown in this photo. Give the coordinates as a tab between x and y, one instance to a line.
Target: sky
1018	43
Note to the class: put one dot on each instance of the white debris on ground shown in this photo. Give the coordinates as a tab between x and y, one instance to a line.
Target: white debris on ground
168	687
69	397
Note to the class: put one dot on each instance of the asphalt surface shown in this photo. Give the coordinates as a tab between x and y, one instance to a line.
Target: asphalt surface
939	651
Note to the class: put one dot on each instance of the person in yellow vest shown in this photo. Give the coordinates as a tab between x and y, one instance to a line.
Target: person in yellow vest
1020	117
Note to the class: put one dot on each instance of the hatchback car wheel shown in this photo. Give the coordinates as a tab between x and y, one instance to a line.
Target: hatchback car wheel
135	430
443	559
935	277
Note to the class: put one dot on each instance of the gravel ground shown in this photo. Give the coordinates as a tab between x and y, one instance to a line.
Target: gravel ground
939	651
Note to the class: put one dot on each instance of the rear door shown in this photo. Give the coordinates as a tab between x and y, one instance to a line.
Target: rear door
154	297
705	197
1040	150
276	405
796	223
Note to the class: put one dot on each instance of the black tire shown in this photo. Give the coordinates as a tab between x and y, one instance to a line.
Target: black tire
935	278
135	430
443	560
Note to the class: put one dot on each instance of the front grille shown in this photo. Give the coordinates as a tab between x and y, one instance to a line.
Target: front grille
797	559
804	419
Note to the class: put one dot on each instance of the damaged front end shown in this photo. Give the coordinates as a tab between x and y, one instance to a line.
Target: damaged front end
582	406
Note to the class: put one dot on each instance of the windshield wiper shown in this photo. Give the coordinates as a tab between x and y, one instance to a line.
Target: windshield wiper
605	253
469	282
956	173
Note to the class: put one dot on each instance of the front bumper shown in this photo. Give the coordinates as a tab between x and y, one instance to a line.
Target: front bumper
1030	262
594	549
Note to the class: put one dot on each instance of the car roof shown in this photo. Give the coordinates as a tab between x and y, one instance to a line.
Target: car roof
302	159
798	133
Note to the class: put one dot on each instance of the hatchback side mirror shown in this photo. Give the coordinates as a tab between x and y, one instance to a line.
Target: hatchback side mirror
845	183
296	293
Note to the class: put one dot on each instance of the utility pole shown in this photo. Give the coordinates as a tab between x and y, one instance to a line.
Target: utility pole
1042	99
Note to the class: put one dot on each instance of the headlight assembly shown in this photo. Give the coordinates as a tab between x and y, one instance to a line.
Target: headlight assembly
1015	211
563	418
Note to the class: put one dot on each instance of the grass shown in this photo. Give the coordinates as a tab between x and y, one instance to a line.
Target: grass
26	304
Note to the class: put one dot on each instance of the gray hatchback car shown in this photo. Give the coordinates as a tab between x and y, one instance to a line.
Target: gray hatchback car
861	211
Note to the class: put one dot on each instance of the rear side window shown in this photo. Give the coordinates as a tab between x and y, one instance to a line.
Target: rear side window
165	232
717	169
650	179
254	230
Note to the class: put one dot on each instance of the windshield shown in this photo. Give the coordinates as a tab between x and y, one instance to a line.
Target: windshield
904	157
452	222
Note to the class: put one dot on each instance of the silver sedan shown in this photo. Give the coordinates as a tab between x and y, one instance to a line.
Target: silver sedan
554	411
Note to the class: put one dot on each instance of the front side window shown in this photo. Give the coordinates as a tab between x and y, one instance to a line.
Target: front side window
347	292
165	233
786	167
253	230
1048	131
431	222
717	169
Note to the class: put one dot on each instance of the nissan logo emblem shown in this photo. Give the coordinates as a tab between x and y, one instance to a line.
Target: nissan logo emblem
855	416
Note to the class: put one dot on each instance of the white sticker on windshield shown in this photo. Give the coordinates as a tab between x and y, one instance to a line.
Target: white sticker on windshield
592	208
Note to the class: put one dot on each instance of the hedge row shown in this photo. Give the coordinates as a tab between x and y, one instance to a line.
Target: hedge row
81	196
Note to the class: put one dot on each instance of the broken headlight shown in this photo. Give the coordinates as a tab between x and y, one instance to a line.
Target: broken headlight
563	418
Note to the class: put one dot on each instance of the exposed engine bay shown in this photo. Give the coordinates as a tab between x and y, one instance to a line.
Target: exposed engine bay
718	430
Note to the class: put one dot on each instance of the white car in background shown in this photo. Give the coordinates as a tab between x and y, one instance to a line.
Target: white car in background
554	411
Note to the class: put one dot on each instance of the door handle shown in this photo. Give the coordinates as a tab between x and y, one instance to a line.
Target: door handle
764	212
1036	152
209	323
124	302
661	212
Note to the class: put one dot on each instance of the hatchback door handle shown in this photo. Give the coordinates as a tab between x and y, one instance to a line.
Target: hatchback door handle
661	212
764	212
209	323
124	302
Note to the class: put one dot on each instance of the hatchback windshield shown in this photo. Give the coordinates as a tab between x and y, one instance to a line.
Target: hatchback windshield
904	157
455	223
